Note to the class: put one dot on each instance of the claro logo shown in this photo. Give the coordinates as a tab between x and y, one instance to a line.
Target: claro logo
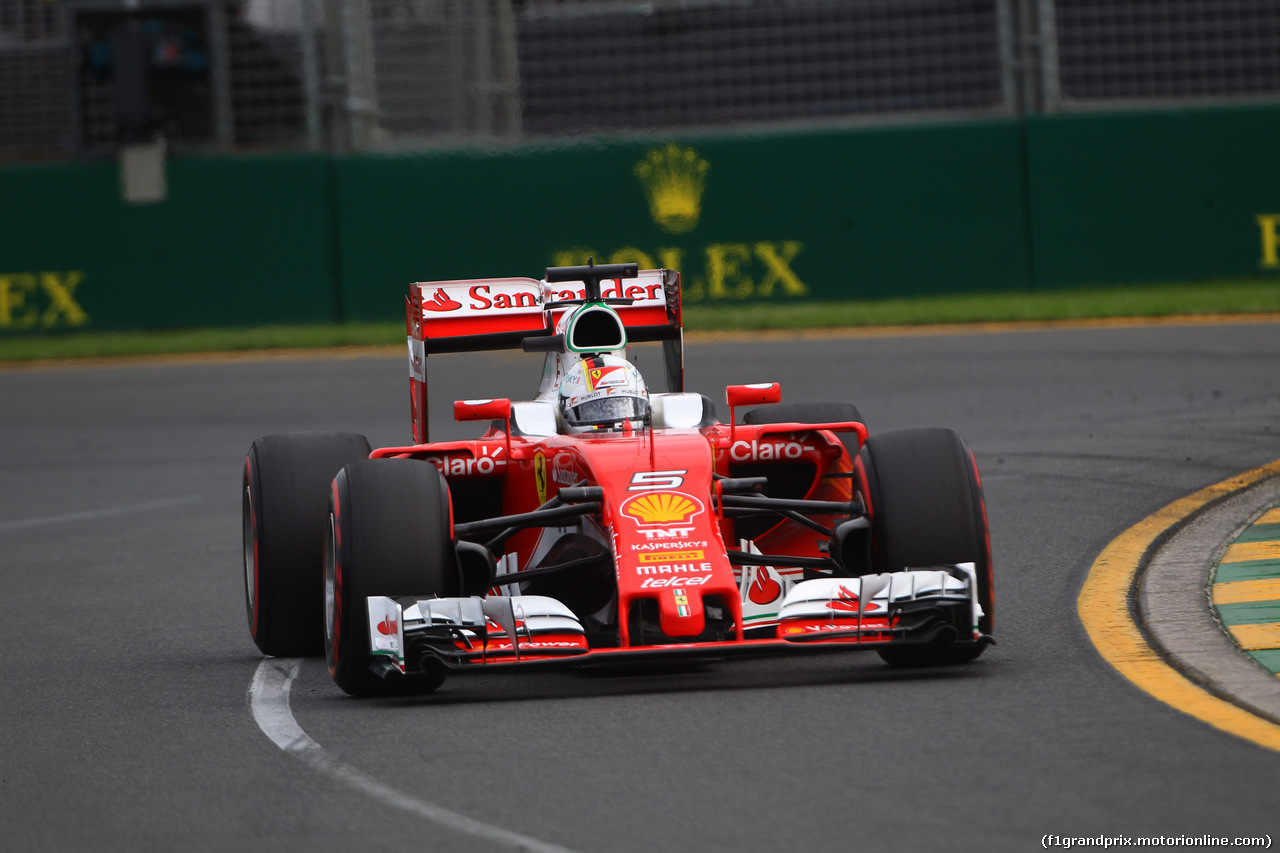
41	300
741	451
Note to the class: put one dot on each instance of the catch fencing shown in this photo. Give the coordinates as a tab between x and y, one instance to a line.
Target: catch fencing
366	75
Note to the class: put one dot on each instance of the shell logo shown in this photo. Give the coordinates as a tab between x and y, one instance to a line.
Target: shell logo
662	508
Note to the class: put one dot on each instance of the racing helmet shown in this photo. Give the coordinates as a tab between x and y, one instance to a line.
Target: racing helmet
602	392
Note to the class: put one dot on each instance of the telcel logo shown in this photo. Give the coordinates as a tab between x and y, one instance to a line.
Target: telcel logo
682	580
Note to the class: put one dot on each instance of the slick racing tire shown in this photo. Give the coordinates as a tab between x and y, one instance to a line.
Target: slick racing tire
803	413
809	413
389	533
924	496
284	493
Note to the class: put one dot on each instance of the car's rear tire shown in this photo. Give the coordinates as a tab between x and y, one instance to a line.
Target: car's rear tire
284	492
389	534
804	413
924	496
809	413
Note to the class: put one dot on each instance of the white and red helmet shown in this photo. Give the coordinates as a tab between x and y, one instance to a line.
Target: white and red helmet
602	392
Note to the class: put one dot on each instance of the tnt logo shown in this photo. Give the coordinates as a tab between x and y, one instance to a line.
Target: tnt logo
45	300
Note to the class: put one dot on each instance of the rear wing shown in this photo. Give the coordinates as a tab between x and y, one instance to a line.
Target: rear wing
474	315
500	313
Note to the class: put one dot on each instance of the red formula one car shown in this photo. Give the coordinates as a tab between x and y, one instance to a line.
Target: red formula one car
602	522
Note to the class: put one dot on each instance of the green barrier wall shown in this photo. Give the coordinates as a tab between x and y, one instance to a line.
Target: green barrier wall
238	240
852	213
891	211
1153	196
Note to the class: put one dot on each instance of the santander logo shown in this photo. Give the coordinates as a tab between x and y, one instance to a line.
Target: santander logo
846	601
765	588
440	301
387	626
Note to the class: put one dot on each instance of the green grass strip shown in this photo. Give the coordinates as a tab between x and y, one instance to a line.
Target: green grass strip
1260	533
185	341
1249	613
1269	658
1219	297
1249	570
1168	300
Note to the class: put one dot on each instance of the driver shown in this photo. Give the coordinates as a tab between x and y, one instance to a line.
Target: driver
603	392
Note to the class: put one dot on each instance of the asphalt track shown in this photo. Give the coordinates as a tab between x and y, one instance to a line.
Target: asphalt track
127	665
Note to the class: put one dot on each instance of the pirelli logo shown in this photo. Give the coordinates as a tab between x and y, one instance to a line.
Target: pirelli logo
672	556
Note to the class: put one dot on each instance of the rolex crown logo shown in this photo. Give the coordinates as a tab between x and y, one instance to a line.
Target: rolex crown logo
673	179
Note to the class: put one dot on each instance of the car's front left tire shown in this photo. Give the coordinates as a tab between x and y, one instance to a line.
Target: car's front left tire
389	533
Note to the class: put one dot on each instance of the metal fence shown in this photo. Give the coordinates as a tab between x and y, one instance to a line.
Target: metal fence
1138	52
83	76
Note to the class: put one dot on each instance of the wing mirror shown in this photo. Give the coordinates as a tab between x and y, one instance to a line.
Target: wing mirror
486	410
482	410
748	395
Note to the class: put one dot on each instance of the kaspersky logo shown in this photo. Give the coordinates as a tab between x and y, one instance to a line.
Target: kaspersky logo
673	179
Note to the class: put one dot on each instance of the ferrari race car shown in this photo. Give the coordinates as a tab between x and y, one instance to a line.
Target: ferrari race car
601	523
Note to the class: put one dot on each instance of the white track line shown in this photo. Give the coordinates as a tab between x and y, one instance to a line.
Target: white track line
94	514
269	700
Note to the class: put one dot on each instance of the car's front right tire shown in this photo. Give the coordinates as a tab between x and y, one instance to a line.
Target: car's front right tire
925	499
283	494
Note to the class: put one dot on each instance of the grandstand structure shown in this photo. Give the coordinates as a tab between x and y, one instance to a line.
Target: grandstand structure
78	78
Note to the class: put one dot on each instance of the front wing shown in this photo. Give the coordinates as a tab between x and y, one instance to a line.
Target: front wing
915	607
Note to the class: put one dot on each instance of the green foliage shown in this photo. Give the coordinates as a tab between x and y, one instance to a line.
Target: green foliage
1206	298
1212	298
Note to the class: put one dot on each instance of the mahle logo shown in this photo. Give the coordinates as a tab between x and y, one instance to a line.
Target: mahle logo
673	179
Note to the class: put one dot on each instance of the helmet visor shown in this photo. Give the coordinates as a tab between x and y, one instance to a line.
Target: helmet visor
608	410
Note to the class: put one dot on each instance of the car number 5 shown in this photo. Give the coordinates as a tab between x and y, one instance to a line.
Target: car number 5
642	480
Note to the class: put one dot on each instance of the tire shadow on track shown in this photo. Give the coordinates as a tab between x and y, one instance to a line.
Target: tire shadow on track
780	674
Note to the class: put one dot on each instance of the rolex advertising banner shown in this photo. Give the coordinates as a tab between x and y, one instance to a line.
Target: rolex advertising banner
832	215
1160	195
234	241
844	213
